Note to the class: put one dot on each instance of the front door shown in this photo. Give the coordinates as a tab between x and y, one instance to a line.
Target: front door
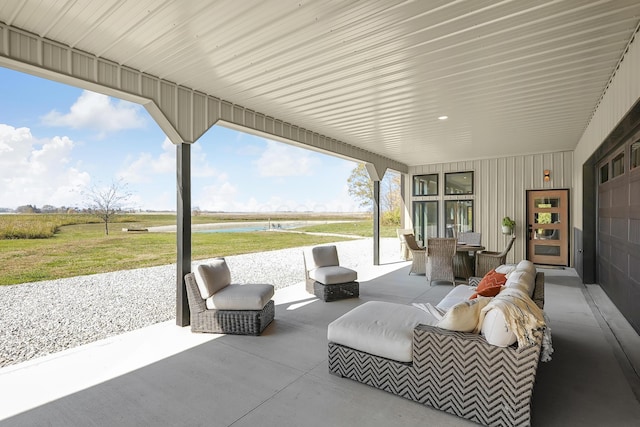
548	227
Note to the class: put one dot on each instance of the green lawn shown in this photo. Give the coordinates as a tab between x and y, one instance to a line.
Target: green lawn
84	248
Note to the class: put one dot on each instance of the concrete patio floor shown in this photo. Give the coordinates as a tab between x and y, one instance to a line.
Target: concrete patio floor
164	375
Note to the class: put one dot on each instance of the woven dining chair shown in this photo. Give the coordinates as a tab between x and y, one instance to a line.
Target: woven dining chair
418	254
439	265
487	261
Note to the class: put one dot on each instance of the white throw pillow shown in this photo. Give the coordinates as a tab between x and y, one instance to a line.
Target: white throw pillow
212	277
463	317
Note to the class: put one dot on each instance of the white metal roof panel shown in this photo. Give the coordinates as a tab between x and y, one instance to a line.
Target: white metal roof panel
513	76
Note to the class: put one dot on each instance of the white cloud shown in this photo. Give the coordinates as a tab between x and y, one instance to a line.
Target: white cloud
279	159
37	171
218	197
144	166
98	112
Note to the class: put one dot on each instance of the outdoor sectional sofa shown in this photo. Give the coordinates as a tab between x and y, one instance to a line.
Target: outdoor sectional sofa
484	377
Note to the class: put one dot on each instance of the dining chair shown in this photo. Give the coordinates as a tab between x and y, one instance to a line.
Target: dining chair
440	253
487	261
418	254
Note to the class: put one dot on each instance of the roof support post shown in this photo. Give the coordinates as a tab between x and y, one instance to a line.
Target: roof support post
376	222
376	172
183	231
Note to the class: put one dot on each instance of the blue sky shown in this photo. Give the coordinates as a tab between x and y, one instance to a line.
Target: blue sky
56	140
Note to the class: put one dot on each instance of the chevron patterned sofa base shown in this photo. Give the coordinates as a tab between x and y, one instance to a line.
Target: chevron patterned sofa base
456	372
452	371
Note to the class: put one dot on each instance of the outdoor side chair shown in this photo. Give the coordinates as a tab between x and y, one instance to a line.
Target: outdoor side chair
418	254
217	306
440	253
487	261
325	278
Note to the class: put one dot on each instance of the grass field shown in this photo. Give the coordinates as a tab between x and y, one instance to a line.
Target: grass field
83	248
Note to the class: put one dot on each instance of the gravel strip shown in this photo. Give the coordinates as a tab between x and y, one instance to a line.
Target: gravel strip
45	317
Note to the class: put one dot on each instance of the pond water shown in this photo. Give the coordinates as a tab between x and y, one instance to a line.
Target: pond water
249	228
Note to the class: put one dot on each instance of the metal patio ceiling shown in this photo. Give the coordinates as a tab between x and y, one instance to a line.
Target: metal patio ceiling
514	77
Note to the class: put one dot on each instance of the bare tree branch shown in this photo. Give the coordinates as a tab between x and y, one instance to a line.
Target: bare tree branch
106	202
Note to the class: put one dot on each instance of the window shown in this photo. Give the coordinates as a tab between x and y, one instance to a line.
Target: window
617	165
635	155
458	217
458	183
425	185
604	173
425	220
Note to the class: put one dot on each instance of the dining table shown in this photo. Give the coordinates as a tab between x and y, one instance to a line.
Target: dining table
463	267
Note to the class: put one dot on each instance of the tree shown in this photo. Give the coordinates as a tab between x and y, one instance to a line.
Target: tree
361	186
106	202
361	189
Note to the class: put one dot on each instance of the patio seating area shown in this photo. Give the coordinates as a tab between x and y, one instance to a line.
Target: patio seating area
166	375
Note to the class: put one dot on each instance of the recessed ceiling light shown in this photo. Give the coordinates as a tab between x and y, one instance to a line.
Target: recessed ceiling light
443	117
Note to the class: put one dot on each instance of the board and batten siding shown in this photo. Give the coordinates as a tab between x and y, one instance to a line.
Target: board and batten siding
620	95
500	187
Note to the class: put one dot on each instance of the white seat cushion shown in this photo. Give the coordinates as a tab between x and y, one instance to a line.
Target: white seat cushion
458	294
241	297
381	328
333	275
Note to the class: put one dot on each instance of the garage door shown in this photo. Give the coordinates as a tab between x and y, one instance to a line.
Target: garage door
618	245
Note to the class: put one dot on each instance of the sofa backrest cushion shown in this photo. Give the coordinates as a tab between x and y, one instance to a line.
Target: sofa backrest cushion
464	316
506	269
524	277
212	277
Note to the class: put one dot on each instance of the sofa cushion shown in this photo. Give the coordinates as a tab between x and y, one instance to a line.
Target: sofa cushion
490	285
212	277
333	275
523	280
381	328
463	317
241	297
456	295
526	265
506	269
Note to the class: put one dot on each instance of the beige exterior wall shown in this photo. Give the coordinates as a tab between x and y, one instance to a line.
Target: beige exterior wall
499	190
621	94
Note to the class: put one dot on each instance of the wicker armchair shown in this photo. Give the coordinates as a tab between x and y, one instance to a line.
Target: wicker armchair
440	253
325	278
418	254
404	250
217	306
487	261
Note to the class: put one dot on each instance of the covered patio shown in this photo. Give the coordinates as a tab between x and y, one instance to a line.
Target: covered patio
166	376
528	88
